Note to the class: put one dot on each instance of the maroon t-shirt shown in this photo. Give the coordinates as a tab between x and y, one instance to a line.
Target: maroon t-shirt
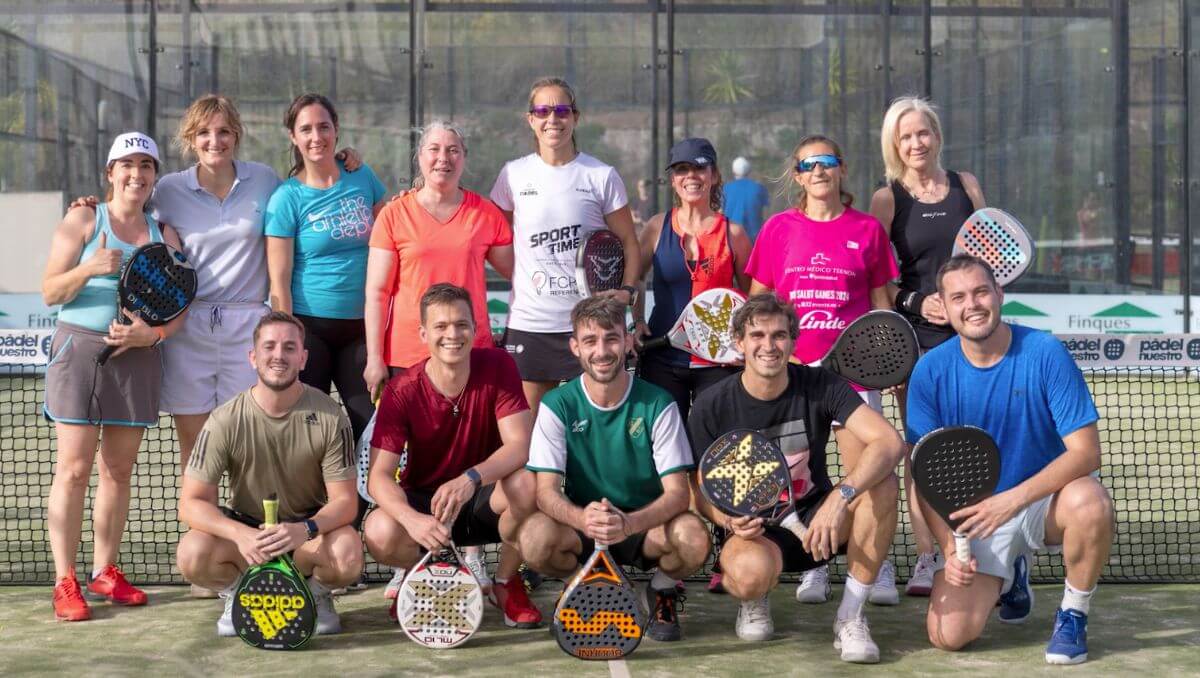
440	444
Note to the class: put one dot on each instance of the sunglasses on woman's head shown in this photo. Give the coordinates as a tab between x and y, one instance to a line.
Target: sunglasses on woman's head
559	111
810	163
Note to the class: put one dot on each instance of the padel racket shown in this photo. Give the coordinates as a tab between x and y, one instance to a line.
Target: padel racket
705	327
599	263
599	616
879	350
273	608
999	239
364	459
743	473
440	603
156	283
953	468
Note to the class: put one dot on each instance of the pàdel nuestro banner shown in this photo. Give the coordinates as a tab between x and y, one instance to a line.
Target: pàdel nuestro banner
1133	350
25	347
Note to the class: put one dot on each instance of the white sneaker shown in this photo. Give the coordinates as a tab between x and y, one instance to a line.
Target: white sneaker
225	623
328	621
393	585
473	559
754	620
853	638
883	591
814	587
920	582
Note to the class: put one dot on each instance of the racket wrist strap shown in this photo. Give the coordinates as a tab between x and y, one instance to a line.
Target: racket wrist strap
909	301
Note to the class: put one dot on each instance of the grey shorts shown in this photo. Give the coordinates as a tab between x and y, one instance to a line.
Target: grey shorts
122	392
1023	534
206	363
542	356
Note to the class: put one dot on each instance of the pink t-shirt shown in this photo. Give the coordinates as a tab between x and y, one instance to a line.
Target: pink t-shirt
827	269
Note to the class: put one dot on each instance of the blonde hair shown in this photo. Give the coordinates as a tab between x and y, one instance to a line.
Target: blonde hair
553	81
419	180
197	116
893	165
785	179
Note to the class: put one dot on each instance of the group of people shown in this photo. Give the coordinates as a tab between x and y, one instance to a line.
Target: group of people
547	444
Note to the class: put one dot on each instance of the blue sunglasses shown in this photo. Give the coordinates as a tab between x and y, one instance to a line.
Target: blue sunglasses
824	160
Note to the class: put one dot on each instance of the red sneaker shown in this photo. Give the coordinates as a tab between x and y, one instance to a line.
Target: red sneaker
393	614
112	585
69	604
519	611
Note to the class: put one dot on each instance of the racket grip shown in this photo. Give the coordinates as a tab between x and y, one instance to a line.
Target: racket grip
105	355
962	548
655	343
792	522
271	511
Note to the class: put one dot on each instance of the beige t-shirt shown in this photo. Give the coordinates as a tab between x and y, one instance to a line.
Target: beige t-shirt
292	456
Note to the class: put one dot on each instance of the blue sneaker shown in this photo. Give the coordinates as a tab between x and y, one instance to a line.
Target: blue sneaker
1017	603
1068	645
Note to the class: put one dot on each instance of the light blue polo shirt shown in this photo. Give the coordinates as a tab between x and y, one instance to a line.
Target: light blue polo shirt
222	239
331	228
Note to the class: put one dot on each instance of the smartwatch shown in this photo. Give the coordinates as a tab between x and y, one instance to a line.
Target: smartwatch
633	293
474	477
312	527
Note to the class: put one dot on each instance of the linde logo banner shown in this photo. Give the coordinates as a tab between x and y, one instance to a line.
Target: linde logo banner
1133	350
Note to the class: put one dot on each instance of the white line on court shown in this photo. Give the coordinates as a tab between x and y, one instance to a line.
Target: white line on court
617	668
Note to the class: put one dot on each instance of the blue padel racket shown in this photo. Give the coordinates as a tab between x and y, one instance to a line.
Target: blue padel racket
599	263
953	468
999	239
157	283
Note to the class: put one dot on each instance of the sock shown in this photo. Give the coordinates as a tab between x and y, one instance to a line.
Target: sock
662	582
228	590
853	598
1074	599
96	573
500	580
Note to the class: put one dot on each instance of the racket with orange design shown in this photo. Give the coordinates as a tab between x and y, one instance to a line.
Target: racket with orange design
599	615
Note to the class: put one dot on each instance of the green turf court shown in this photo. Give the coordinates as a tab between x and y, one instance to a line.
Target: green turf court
1134	629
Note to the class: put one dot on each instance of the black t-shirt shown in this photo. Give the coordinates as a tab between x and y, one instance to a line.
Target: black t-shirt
799	420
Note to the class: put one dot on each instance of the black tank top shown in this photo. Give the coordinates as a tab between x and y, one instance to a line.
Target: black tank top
923	234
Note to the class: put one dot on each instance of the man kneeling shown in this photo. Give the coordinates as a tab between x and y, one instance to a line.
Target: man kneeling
462	419
620	446
796	406
280	437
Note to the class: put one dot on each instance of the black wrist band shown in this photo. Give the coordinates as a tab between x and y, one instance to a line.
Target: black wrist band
909	301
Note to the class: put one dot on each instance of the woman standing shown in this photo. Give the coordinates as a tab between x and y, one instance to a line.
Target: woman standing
554	197
834	264
921	208
108	404
691	248
318	225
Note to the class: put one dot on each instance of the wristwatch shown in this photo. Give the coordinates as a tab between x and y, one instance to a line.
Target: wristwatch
848	493
313	528
633	292
474	477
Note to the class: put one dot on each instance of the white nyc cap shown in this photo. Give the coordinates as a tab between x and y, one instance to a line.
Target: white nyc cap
133	142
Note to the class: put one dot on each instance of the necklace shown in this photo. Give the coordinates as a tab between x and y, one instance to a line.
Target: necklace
928	195
454	402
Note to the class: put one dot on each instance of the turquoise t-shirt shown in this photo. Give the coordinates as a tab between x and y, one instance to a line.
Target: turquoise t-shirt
331	228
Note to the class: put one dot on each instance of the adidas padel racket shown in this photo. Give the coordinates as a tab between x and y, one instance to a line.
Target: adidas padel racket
954	468
273	608
879	350
157	283
599	263
743	473
705	327
599	616
999	239
440	603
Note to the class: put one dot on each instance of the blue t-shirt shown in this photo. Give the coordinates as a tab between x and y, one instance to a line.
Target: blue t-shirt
745	200
1028	402
331	228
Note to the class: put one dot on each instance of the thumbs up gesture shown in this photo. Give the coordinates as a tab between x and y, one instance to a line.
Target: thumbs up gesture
104	260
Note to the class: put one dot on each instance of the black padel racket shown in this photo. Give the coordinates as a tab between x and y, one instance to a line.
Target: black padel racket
440	603
705	327
953	468
743	473
879	350
999	239
157	283
599	616
599	263
273	608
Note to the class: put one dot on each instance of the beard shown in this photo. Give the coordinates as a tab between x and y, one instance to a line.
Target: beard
601	378
277	382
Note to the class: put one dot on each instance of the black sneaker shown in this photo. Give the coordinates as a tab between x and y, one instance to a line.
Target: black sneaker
664	620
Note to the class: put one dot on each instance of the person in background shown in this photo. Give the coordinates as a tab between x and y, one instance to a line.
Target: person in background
745	199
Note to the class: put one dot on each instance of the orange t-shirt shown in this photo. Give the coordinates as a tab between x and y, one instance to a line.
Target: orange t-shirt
430	252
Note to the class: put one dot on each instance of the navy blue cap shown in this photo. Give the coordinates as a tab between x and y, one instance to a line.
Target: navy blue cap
695	151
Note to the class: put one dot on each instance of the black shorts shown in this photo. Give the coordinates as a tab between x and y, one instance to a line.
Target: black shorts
795	558
542	356
476	524
627	552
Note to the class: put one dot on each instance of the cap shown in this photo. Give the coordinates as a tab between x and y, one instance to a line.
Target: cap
694	151
741	166
133	142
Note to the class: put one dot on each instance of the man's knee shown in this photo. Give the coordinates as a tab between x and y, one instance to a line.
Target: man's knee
541	538
749	569
1086	504
343	557
689	539
191	554
387	540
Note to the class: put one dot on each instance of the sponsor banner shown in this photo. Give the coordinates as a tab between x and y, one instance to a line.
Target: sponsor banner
1133	350
26	311
25	347
1098	313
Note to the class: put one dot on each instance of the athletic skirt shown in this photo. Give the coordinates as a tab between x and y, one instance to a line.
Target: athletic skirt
122	392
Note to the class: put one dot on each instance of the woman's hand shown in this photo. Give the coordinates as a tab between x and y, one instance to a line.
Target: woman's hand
137	334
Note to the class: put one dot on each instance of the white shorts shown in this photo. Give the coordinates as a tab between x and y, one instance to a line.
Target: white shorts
1024	534
206	363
